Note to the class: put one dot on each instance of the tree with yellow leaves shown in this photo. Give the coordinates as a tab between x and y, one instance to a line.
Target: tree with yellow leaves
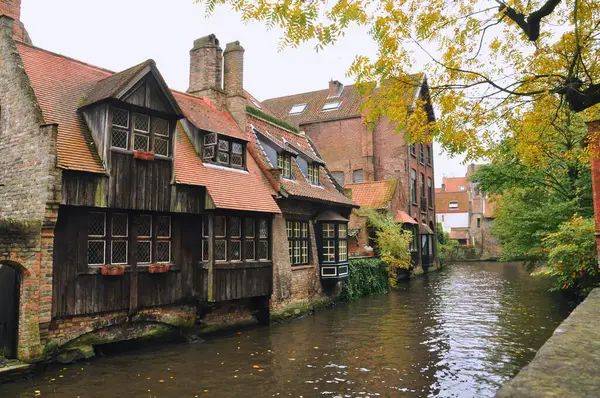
486	61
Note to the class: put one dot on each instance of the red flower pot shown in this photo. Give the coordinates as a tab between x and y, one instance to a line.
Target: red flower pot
144	155
112	271
371	254
158	268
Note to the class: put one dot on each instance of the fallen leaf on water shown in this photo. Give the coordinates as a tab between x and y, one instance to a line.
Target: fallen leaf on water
292	359
172	377
316	348
161	381
205	390
256	366
261	370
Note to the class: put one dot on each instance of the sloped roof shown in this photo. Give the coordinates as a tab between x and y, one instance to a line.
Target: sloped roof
315	100
456	234
60	84
109	86
229	189
443	199
206	116
376	195
299	186
452	184
404	218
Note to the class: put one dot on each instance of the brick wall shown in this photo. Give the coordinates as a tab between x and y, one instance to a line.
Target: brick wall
29	193
12	9
346	145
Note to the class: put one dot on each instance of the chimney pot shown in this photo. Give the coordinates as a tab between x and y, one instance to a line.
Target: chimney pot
233	82
335	88
12	10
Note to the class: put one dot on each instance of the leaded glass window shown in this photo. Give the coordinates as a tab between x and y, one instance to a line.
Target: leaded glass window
298	242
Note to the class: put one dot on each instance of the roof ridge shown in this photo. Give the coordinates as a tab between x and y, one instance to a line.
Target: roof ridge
303	93
66	57
371	182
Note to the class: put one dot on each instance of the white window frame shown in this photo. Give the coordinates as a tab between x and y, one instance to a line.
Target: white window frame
297	109
331	106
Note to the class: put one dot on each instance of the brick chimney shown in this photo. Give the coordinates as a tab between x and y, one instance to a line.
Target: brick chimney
335	89
206	59
12	9
233	82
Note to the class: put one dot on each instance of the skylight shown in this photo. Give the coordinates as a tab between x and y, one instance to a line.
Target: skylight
331	106
297	109
256	104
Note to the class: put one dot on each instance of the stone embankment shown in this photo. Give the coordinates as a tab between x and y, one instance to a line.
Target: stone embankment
568	364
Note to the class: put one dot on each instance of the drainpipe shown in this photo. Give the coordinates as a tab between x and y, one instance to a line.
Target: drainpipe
594	140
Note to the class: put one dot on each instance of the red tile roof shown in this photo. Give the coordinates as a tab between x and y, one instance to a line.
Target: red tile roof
453	184
229	189
456	234
206	116
299	186
315	100
404	218
60	84
376	195
443	199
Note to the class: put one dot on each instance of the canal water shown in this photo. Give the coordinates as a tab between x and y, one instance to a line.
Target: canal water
461	332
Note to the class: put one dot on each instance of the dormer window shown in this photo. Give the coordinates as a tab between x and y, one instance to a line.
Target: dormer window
149	134
313	173
297	109
331	106
284	162
223	150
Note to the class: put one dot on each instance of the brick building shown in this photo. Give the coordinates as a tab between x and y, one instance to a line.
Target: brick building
356	155
126	206
466	213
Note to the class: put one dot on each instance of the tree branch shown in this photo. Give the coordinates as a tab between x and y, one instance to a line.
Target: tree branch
531	24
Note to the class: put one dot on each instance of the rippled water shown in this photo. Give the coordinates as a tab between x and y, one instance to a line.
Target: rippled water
461	332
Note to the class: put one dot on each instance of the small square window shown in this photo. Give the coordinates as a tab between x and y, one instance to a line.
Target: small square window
223	145
120	118
118	252
235	227
163	227
220	228
220	250
235	250
263	229
237	160
119	225
237	148
210	139
141	142
161	146
95	252
145	226
250	252
331	106
328	230
163	252
119	138
97	224
249	228
161	127
209	152
144	252
223	157
141	123
297	109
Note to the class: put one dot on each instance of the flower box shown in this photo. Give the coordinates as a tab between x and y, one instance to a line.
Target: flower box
371	254
158	268
144	155
112	270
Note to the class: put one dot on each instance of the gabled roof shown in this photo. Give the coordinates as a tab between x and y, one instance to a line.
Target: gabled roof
376	195
118	85
298	187
60	84
228	188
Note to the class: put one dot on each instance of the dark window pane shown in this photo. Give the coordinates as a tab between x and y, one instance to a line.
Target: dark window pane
263	229
205	250
141	123
357	176
144	252
220	228
95	252
118	252
97	224
250	252
119	225
163	251
145	226
161	146
220	250
119	138
249	228
141	142
163	227
161	127
235	250
263	250
235	227
120	118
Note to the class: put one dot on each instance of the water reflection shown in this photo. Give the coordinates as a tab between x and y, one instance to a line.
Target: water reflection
458	333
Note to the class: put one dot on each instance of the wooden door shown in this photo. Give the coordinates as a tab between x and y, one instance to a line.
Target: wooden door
9	311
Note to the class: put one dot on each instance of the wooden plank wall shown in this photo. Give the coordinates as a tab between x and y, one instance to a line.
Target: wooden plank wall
76	292
236	283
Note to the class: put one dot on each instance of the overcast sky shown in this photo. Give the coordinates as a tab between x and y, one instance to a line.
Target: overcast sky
119	34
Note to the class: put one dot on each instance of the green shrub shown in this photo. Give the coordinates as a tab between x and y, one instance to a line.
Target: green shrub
267	117
572	261
368	276
392	241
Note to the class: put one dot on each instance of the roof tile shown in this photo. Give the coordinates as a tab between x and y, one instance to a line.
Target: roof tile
376	195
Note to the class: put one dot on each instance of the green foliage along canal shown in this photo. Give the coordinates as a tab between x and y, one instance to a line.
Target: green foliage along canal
461	332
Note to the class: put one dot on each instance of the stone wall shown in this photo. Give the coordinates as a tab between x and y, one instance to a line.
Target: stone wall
29	193
569	363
